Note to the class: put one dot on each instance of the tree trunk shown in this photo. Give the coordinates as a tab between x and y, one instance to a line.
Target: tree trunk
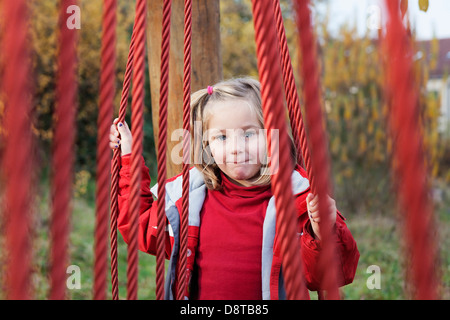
206	65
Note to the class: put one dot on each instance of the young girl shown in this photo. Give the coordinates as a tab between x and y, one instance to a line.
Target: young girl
233	248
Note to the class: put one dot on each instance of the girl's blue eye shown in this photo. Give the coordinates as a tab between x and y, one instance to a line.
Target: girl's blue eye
221	137
249	134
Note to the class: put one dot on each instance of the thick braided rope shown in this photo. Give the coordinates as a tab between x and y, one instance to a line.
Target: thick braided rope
107	92
410	169
137	108
18	147
162	148
317	144
271	94
182	274
115	174
127	79
63	154
295	115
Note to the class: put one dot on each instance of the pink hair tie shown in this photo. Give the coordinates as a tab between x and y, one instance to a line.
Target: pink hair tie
210	90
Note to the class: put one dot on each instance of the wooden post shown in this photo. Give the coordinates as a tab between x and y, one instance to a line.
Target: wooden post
206	64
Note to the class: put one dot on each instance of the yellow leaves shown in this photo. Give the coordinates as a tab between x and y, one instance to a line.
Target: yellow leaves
389	146
335	145
344	154
362	148
434	53
370	127
238	39
44	80
375	113
358	110
433	107
82	178
447	177
348	172
423	5
347	111
379	135
44	42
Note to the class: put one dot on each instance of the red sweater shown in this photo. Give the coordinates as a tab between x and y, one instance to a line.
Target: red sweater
230	242
246	234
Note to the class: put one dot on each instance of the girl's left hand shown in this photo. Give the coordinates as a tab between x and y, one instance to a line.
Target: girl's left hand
312	203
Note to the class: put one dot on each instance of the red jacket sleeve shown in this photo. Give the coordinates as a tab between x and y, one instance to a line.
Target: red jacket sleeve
148	209
348	254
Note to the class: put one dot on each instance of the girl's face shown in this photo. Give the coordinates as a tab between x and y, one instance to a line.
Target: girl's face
236	140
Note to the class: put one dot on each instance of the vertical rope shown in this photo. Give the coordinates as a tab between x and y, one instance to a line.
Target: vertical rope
115	174
408	155
182	280
107	92
127	79
63	154
137	122
162	148
317	143
295	115
271	94
17	160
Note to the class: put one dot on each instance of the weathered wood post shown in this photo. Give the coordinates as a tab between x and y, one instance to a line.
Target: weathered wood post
206	64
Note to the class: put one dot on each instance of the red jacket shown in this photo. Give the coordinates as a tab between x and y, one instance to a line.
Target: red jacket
272	279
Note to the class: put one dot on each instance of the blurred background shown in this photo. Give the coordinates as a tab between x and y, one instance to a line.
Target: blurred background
352	78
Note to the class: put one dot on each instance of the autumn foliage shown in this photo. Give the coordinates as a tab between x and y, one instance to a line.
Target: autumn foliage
354	101
352	90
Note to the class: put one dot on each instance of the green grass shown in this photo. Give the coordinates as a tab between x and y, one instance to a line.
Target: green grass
82	255
380	243
378	238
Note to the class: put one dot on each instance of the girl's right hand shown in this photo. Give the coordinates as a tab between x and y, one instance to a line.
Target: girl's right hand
120	137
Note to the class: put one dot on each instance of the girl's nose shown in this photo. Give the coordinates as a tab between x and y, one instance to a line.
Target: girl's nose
236	145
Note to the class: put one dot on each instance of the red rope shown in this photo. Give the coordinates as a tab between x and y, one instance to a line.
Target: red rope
408	154
295	115
107	92
115	173
17	159
182	275
137	108
63	154
271	94
162	148
127	80
317	144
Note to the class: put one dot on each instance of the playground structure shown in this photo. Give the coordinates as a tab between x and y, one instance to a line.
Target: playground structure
277	79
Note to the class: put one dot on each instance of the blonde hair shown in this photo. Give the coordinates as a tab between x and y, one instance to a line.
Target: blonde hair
239	88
